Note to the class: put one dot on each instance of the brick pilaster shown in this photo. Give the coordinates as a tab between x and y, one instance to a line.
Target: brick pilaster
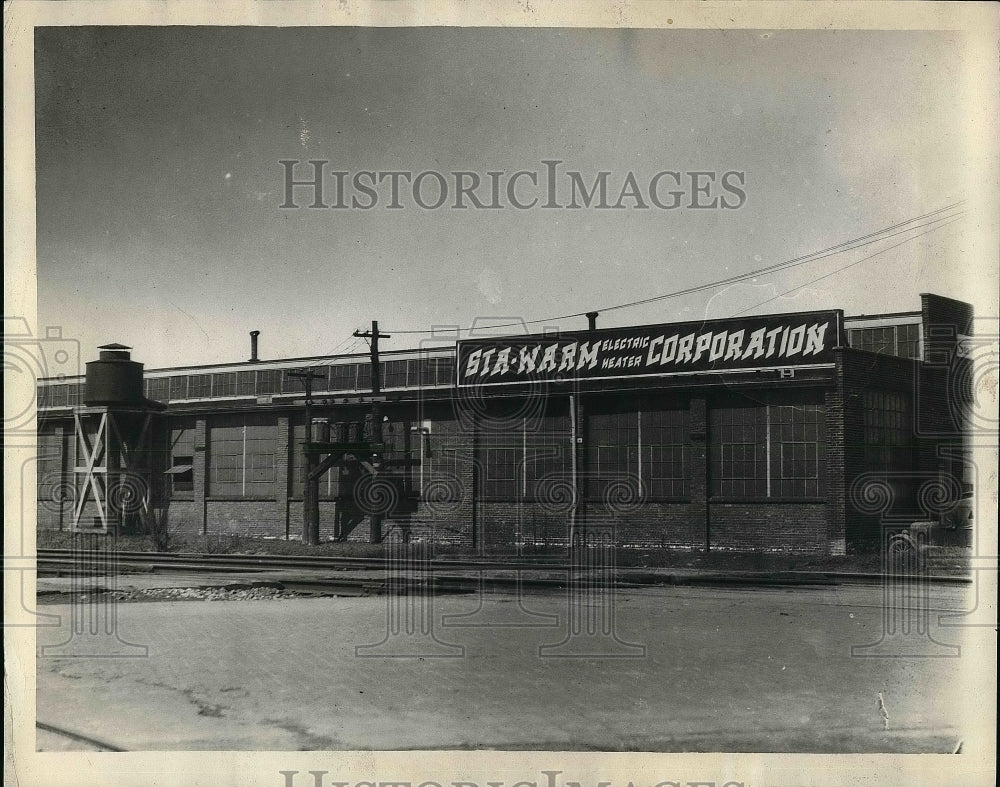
698	480
282	470
200	469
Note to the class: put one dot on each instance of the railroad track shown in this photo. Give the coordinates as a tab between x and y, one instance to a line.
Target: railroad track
56	559
59	561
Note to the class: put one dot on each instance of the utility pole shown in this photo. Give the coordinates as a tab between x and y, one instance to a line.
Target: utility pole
310	483
374	336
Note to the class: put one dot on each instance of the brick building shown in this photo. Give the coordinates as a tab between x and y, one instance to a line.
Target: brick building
796	432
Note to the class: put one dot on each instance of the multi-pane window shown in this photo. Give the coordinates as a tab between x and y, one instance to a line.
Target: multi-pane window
241	456
500	456
643	448
50	465
546	455
158	388
291	384
394	374
246	383
908	340
179	387
520	457
888	431
224	384
364	376
268	381
52	395
182	474
413	372
767	450
739	451
61	395
445	371
344	377
902	340
181	463
427	371
796	443
663	436
432	371
199	386
613	451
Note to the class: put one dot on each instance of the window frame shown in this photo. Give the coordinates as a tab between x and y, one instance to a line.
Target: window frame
630	439
758	462
186	478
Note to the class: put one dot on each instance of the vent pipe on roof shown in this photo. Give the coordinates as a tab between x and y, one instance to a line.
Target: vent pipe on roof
592	321
253	345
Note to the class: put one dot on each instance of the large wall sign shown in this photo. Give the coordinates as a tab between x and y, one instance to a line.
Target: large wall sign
751	343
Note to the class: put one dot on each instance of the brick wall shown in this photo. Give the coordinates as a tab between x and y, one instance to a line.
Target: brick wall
698	517
463	519
778	527
649	525
185	517
200	469
245	517
863	372
836	451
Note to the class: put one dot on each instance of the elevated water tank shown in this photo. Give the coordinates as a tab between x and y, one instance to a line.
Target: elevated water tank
114	379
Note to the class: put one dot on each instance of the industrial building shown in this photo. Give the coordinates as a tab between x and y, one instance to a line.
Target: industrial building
802	432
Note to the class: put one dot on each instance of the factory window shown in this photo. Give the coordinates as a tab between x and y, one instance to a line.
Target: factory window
901	340
224	384
888	431
246	383
767	451
268	381
241	457
427	371
291	384
908	341
51	487
182	474
644	449
180	471
612	451
445	371
394	374
500	457
74	395
199	386
546	457
52	395
434	371
413	368
524	459
365	376
739	452
178	387
344	377
158	388
663	436
797	440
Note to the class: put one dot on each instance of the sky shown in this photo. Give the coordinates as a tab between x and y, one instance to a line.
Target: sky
158	182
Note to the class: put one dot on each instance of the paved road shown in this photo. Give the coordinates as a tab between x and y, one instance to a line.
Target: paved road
697	669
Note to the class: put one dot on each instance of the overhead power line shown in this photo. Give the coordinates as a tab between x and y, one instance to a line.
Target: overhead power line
862	241
849	265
